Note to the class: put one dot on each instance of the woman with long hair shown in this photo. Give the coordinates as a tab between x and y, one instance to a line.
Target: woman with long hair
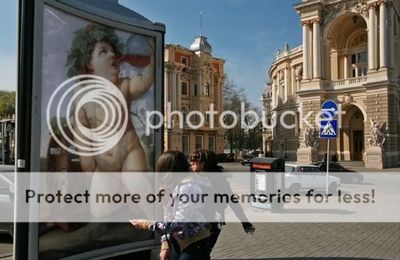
206	161
180	239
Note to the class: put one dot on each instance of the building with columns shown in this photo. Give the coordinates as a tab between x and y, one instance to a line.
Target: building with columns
350	54
193	81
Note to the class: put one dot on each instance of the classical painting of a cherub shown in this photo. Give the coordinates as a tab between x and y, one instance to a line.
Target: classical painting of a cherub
96	49
71	47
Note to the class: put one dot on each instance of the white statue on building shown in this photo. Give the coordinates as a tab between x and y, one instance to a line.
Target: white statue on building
376	132
310	138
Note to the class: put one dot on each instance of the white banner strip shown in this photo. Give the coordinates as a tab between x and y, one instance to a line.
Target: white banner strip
205	197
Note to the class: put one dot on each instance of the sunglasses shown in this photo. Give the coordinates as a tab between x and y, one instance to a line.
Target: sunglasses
194	158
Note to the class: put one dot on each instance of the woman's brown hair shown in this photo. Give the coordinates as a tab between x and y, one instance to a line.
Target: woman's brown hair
207	160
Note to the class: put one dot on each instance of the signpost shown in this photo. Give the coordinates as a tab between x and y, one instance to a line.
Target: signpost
328	129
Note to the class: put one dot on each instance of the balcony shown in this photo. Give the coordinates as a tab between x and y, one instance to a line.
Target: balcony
285	53
347	83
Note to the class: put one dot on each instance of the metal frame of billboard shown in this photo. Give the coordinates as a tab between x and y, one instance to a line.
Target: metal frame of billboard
29	96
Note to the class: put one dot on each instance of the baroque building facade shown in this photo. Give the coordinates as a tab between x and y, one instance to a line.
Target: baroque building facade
350	54
193	81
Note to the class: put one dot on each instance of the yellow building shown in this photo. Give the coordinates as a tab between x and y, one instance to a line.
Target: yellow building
350	54
193	81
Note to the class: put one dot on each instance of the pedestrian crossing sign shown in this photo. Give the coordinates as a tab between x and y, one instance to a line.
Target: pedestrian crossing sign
328	129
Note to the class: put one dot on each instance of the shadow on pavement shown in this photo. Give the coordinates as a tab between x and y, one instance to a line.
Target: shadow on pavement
6	239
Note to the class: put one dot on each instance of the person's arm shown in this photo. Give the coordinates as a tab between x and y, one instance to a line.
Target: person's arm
239	212
136	86
164	253
164	250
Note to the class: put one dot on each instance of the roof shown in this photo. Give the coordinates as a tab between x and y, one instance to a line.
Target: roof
113	11
201	44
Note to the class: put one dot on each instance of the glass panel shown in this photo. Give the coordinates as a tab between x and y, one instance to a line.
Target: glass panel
353	59
199	142
211	143
73	46
362	57
184	88
185	60
289	168
185	144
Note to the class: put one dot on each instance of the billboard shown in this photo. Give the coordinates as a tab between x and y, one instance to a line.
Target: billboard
97	68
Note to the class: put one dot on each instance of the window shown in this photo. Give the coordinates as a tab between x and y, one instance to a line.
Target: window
198	142
184	88
184	60
195	90
211	143
359	64
196	118
185	144
184	113
362	57
289	169
207	118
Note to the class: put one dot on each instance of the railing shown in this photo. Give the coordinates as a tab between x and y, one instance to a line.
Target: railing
347	82
265	96
284	53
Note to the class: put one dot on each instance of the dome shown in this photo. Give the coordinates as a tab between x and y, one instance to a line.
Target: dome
200	44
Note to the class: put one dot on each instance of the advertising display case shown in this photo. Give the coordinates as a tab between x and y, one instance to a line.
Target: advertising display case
63	45
267	177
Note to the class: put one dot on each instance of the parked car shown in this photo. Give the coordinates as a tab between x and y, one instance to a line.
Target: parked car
246	160
225	157
7	189
306	177
337	170
230	157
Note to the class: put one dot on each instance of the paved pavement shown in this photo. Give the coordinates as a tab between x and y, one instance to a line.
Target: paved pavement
310	240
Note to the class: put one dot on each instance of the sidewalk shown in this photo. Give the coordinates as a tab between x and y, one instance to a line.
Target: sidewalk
310	240
358	166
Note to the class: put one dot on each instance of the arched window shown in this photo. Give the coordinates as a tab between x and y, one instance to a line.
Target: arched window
358	54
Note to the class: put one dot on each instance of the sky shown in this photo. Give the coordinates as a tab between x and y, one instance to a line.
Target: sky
8	45
245	33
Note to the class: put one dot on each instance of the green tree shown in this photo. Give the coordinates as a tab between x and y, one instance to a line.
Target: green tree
7	103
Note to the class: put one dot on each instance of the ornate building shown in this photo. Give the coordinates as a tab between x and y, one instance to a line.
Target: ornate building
193	81
350	54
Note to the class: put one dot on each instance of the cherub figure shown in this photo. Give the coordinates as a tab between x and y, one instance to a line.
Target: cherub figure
97	50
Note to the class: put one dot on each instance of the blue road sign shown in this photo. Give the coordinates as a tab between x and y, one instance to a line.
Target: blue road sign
329	109
328	128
